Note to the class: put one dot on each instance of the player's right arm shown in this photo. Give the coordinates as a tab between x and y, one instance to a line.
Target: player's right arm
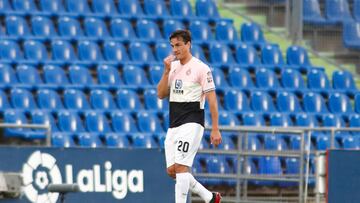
163	85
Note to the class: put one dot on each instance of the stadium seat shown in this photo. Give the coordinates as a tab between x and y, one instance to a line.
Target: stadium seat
292	79
198	52
4	102
7	76
121	28
152	102
274	142
43	27
207	9
240	78
339	103
162	50
55	75
128	100
104	7
28	75
350	142
343	80
43	118
200	32
16	26
280	119
351	34
18	117
96	122
89	51
62	51
269	166
143	141
253	119
356	10
337	11
5	6
77	7
287	102
53	7
251	33
35	51
312	12
148	122
148	30
59	139
123	122
247	57
166	120
96	28
266	78
306	120
116	140
354	120
108	76
181	9
236	101
70	122
171	25
261	102
219	78
80	76
102	100
298	56
25	6
356	104
314	103
130	8
156	9
115	52
221	54
75	100
22	99
69	27
318	80
218	165
332	120
135	76
271	56
225	31
141	52
89	140
49	100
227	118
10	50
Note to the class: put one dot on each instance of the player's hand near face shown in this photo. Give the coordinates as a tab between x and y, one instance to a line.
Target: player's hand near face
167	62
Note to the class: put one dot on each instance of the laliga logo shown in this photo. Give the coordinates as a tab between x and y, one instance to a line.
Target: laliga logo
38	172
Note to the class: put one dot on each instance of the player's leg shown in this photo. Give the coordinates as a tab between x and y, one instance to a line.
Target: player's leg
170	145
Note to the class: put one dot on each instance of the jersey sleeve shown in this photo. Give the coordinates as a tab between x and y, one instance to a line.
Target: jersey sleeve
206	80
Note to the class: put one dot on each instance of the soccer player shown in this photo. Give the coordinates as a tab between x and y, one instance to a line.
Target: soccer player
187	81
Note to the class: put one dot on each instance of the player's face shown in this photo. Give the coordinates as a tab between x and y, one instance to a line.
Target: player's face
179	48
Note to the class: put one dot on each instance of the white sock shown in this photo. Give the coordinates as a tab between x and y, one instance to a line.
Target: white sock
182	187
199	189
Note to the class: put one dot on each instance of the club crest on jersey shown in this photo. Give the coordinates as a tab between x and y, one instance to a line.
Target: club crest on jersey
178	86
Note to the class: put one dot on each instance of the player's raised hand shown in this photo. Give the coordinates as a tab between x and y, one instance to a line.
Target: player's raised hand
167	62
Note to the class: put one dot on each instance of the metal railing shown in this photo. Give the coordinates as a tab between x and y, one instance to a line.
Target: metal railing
46	127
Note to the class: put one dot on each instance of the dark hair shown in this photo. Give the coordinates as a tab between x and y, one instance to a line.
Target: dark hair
184	34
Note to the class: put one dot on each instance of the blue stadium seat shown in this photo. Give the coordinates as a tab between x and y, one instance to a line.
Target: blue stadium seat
143	141
225	31
280	119
152	102
287	102
148	30
62	51
28	75
221	54
339	103
96	122
181	9
43	118
247	57
53	7
356	104
306	120
135	76
114	51
123	122
75	100
332	120
351	34
43	27
343	80
141	52
95	27
116	140
22	99
314	103
236	101
218	165
10	50
18	117
104	7
171	25
89	51
69	27
69	121
80	76
166	120
356	10
271	56
4	6
55	75
251	33
16	26
269	166
207	9
77	7
59	139
25	6
318	80
350	142
156	9
128	100
253	119
354	120
108	76
102	100
200	32
312	12
292	79
337	11
35	50
240	78
298	56
227	118
266	78
274	142
4	102
121	28
130	8
89	140
198	52
261	102
148	122
49	100
162	50
7	76
219	78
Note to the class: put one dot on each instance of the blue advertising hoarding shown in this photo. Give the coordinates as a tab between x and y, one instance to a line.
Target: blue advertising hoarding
103	174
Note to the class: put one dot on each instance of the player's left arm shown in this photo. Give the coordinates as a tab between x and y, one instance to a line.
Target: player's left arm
215	136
